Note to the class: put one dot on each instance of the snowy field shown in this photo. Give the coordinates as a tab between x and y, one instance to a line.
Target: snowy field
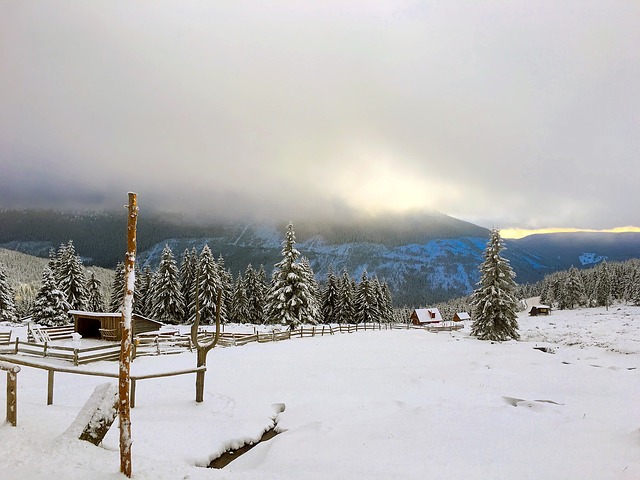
375	405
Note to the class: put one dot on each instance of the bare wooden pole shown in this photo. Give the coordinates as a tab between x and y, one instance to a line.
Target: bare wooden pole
124	410
203	347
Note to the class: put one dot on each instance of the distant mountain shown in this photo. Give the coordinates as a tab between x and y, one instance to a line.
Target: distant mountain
424	258
582	249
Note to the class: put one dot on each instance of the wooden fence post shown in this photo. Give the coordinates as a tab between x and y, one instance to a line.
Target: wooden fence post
12	392
50	374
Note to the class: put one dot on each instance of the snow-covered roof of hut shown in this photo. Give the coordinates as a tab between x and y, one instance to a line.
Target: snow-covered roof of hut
94	314
427	315
540	306
463	315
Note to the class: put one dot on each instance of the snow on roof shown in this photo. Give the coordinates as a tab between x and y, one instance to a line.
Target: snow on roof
426	315
463	315
540	306
94	314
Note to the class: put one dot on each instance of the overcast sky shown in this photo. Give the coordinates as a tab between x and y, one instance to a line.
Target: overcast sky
503	113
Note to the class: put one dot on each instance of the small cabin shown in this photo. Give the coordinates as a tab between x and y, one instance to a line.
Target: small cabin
425	316
540	310
108	326
461	316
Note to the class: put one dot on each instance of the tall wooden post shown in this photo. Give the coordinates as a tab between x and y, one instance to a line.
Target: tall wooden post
124	409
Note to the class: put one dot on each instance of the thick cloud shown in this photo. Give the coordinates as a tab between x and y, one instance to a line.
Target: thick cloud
520	114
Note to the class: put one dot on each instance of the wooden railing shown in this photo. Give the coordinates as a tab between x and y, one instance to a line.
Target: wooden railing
52	369
78	356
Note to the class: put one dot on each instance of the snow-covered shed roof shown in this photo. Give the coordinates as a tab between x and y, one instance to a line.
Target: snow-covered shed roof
94	314
463	315
427	315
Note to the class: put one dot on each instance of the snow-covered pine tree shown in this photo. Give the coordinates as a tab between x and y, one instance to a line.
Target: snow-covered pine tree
70	277
7	299
315	309
50	307
188	271
386	303
227	283
366	304
290	300
574	291
346	303
95	302
207	285
240	305
254	288
494	301
142	300
116	298
331	299
603	285
167	304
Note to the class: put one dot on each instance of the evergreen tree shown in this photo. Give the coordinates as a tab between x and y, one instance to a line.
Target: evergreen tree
254	288
7	299
240	304
331	299
386	303
166	298
70	277
603	286
207	285
366	304
291	300
346	303
117	289
494	301
95	302
574	291
142	293
227	283
188	271
51	306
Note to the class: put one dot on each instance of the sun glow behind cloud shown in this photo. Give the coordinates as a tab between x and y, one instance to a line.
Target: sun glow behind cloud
380	185
523	232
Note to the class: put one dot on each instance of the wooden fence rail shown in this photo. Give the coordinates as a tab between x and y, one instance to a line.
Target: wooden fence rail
52	369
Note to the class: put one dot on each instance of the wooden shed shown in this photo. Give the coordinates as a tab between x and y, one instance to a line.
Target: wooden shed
540	310
107	326
424	316
461	316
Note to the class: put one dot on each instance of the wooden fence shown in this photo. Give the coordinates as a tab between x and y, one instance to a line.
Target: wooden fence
78	356
52	369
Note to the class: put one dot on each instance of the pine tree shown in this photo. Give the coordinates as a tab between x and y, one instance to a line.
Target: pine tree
366	305
7	299
50	307
254	288
574	291
188	271
386	303
70	277
331	299
494	301
167	304
291	300
240	305
142	301
346	303
227	283
207	285
116	298
603	286
95	302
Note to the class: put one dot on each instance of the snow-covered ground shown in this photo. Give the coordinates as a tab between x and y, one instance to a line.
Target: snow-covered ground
375	405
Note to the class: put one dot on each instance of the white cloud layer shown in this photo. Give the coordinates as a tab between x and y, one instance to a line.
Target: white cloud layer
520	114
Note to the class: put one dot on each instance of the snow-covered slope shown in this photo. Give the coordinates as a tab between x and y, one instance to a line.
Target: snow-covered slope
402	404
